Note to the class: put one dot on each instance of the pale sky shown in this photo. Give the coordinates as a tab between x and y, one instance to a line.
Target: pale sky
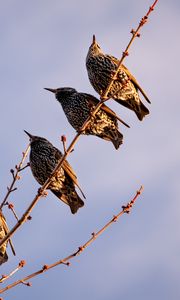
44	44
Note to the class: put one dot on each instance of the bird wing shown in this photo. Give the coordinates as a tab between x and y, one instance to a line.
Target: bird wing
6	229
66	165
137	85
131	77
68	169
94	101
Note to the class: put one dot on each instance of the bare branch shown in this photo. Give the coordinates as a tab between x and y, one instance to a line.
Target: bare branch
65	261
26	166
15	176
135	33
11	207
20	265
63	140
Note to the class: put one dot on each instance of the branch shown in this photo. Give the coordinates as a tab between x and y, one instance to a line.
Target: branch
125	209
63	140
11	207
20	265
71	146
15	176
135	33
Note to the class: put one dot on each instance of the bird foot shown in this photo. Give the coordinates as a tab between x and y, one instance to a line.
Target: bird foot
80	131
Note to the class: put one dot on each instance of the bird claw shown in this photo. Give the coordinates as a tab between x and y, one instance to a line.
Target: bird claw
80	131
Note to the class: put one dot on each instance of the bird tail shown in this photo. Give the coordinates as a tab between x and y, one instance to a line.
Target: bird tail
114	136
117	139
3	257
139	108
72	199
141	111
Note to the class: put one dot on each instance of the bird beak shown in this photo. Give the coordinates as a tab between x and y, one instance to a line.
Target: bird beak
94	39
30	135
51	90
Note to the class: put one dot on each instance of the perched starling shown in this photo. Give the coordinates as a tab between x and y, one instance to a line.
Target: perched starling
44	157
3	231
101	67
78	106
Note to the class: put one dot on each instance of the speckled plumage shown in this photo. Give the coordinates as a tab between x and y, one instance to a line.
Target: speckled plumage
100	68
77	107
3	232
43	159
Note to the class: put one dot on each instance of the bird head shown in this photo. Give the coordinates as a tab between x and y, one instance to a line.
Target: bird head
34	138
95	48
31	137
61	93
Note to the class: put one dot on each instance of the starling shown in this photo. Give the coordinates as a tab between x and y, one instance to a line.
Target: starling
78	106
3	231
101	67
44	157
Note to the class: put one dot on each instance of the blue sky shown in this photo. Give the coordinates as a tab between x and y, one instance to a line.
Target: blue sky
44	44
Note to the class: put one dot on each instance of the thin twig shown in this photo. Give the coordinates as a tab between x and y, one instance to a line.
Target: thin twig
65	261
15	176
20	265
63	140
11	207
26	166
135	33
71	146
